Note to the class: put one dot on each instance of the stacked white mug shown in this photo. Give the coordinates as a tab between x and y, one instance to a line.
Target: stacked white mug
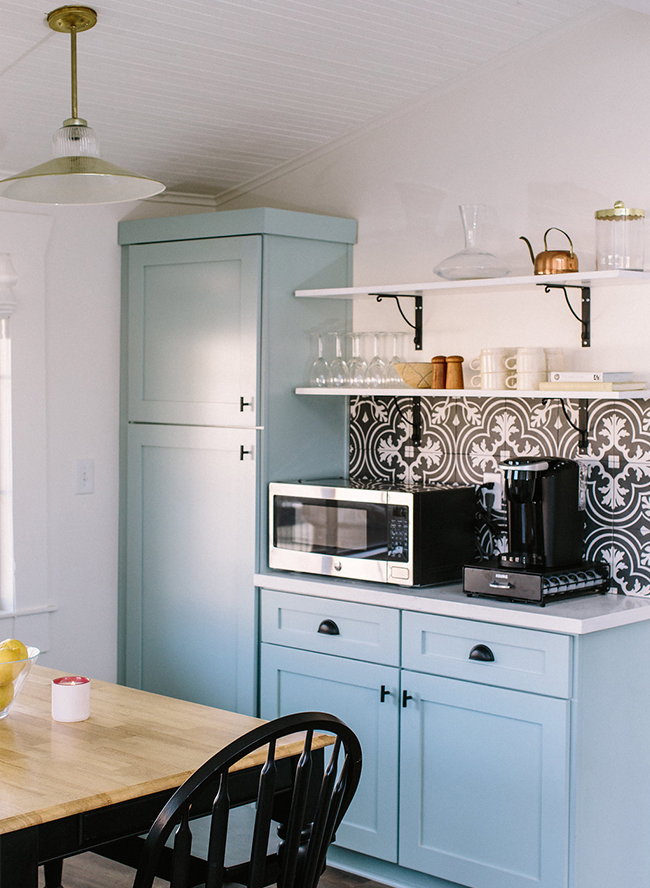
530	367
493	372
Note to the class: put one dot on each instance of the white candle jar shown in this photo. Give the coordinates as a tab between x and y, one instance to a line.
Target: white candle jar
70	698
620	238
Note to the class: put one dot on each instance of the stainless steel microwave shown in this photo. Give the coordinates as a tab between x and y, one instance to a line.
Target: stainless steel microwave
411	535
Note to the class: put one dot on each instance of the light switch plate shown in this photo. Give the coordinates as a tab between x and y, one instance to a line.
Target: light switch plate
85	476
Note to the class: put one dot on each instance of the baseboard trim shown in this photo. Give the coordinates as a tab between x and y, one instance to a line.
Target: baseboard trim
382	871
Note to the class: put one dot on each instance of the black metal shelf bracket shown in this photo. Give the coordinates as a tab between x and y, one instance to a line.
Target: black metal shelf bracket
582	428
416	435
417	326
585	317
416	421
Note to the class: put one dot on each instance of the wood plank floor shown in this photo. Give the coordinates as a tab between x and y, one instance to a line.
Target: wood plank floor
92	871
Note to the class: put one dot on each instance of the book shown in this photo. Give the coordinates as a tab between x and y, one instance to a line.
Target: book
589	376
630	386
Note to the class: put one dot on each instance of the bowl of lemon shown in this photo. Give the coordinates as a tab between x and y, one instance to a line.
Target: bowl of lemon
16	659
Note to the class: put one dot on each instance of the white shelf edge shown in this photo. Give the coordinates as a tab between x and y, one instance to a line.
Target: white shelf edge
577	278
471	393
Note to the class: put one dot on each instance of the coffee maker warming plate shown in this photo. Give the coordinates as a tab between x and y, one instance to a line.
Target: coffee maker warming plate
490	580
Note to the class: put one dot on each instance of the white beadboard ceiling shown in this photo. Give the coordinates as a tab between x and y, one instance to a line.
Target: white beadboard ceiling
206	95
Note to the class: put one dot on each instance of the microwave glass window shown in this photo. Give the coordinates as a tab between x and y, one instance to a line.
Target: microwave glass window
330	527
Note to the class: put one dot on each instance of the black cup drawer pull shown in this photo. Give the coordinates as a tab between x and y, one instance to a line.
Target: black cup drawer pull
481	652
328	627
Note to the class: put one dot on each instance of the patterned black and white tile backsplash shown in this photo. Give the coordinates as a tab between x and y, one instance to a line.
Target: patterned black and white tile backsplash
462	438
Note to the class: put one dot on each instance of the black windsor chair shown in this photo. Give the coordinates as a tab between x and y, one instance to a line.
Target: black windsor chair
308	798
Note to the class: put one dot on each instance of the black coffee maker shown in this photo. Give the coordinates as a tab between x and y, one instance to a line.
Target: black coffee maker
544	559
545	524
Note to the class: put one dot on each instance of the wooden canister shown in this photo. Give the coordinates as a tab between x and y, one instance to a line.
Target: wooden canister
454	372
439	375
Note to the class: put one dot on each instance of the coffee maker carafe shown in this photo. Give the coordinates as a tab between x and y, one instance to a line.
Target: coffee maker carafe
545	524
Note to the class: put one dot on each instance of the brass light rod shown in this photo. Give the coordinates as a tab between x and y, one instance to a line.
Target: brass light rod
70	20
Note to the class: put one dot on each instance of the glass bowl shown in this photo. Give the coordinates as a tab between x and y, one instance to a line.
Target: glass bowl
12	677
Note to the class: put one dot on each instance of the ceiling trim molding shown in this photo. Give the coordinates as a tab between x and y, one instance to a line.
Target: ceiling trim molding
182	197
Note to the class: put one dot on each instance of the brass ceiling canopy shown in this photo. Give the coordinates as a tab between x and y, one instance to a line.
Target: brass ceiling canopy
67	19
77	175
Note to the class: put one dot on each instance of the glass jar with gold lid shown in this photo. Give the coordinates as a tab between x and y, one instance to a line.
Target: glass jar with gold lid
620	238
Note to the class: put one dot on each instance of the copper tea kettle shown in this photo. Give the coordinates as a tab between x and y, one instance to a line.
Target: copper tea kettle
553	261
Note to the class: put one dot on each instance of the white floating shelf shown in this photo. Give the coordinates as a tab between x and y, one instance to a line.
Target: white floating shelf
576	279
471	393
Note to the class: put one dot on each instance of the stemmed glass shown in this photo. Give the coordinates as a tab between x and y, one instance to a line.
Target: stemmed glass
339	373
376	372
392	376
320	375
357	367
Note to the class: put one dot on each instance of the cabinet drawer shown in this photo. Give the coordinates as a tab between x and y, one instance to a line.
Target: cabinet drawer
343	628
524	659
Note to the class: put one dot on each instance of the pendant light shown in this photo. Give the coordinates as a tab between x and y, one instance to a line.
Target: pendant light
77	175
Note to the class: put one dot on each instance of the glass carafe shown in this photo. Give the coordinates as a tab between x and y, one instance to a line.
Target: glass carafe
472	262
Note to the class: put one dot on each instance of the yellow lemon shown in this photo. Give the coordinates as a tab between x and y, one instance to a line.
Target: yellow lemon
18	648
10	650
6	695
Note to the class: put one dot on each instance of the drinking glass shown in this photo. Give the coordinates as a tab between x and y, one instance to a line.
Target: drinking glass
376	372
393	378
320	376
339	373
357	367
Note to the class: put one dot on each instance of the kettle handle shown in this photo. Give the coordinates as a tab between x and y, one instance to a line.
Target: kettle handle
561	232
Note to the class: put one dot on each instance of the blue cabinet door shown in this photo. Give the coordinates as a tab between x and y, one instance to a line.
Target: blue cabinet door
190	556
483	784
194	317
294	681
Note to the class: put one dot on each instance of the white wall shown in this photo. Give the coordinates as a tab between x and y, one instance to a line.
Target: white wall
549	137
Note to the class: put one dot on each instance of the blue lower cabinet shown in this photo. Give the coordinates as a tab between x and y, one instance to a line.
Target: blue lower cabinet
294	680
484	784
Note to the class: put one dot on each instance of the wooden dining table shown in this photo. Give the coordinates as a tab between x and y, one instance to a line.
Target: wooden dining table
72	787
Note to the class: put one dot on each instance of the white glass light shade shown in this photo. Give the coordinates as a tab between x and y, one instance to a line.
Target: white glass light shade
75	141
78	180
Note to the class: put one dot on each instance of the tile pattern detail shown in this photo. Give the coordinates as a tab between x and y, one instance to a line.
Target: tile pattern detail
462	438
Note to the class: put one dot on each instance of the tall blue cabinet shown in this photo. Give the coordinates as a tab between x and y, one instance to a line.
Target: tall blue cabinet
213	345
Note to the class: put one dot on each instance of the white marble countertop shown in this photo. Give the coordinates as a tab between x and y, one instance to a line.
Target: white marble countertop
572	616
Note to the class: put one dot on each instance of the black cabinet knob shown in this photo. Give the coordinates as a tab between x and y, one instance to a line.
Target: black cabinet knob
405	698
481	652
328	627
383	693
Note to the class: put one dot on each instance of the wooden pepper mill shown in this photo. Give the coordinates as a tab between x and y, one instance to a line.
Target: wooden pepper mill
439	373
454	372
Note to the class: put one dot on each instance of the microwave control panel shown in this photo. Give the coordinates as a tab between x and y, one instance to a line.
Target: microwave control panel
398	533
